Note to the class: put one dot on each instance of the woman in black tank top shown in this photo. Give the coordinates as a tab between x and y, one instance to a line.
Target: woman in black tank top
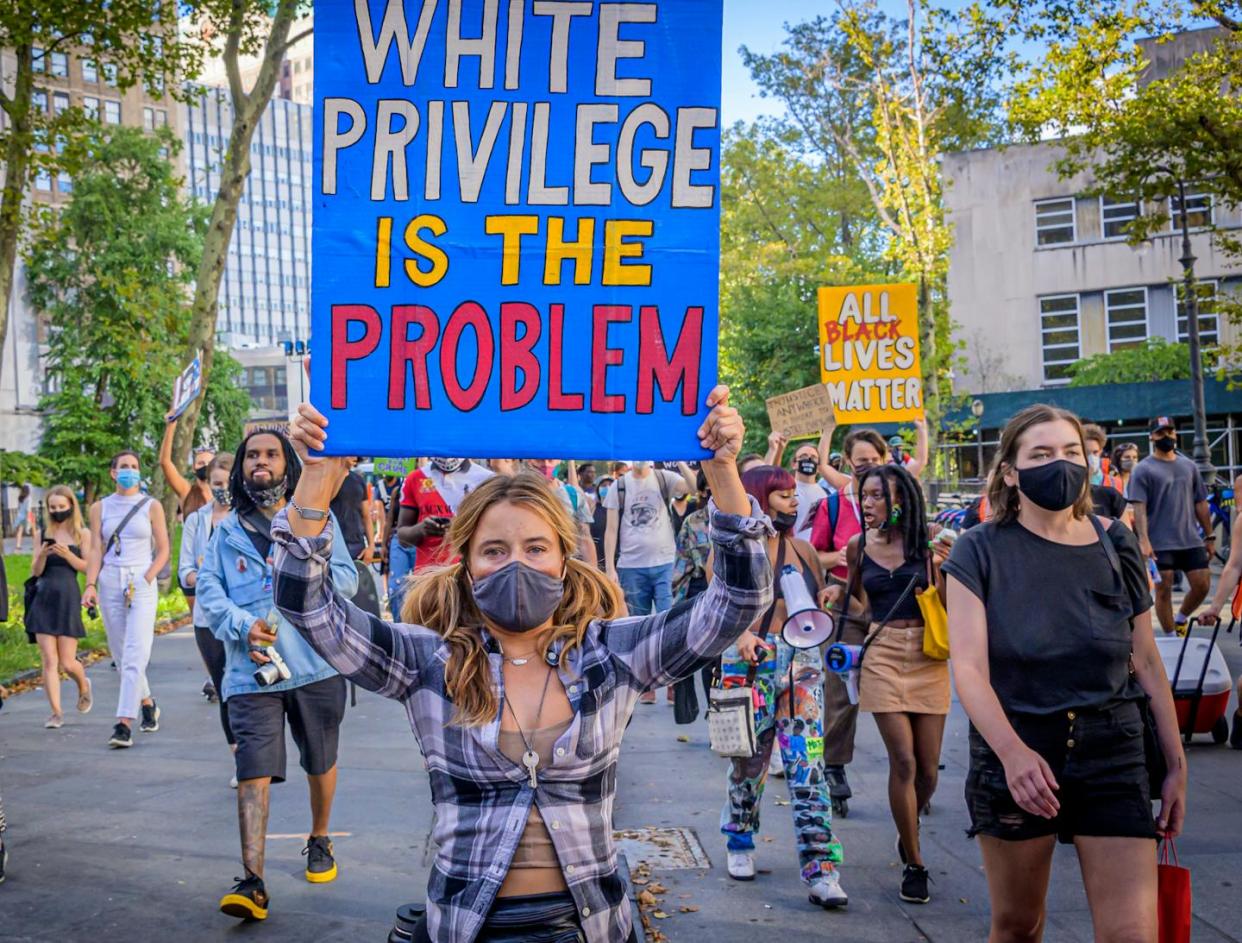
907	692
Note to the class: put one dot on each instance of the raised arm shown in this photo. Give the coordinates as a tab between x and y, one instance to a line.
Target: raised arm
175	479
921	452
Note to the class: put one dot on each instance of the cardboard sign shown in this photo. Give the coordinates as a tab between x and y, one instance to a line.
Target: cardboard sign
869	350
189	384
801	413
395	466
516	226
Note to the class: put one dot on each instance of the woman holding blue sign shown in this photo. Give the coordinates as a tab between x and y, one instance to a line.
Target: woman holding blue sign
519	678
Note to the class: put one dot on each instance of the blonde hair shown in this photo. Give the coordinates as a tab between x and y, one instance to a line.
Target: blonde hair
64	491
1002	498
441	599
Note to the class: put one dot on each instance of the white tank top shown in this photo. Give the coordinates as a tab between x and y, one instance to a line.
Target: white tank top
133	543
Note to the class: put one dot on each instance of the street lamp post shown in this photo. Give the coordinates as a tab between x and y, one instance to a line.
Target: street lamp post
1190	298
976	410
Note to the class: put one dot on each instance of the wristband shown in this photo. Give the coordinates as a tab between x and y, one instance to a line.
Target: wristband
308	514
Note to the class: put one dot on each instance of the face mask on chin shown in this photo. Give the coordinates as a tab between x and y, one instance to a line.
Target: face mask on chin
784	521
265	497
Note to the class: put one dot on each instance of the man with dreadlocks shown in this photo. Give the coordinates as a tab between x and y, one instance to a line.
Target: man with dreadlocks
889	562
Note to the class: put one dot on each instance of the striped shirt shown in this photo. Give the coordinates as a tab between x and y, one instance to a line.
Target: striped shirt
482	798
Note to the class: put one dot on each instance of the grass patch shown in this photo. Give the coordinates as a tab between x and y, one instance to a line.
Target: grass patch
18	655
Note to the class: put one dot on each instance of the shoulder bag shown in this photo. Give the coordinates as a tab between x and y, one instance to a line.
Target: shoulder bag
935	618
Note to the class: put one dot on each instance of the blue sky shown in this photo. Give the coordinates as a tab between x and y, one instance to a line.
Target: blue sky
758	24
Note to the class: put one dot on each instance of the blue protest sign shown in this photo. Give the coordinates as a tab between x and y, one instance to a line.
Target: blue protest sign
516	226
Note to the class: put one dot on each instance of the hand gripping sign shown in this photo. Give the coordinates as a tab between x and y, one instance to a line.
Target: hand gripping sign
869	352
516	225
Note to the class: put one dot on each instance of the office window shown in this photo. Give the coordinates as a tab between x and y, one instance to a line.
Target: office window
1058	324
64	183
90	70
161	118
43	181
148	119
38	100
1126	312
90	105
112	112
60	102
1116	216
1198	210
1054	222
60	65
1209	317
109	74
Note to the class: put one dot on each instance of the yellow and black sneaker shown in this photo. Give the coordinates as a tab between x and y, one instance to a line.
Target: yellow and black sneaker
247	900
320	865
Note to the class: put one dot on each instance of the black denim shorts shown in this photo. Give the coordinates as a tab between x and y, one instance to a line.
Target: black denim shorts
1098	760
314	711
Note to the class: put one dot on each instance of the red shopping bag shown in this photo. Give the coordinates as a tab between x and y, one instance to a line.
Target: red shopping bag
1173	892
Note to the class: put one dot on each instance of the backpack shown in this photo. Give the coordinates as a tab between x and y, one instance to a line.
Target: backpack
619	484
824	516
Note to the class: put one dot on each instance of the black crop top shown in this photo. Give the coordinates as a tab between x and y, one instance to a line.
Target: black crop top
884	588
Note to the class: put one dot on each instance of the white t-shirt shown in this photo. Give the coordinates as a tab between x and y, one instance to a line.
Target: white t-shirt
808	495
576	504
646	529
453	488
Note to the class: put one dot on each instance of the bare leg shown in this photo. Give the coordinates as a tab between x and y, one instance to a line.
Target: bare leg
1196	590
898	736
67	652
253	797
1120	877
1164	600
1017	873
928	735
322	791
51	670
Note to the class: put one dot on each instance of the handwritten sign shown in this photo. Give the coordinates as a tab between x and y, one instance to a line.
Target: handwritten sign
189	384
801	413
516	226
869	349
395	466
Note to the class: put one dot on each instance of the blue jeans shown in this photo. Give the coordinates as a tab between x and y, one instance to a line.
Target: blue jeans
400	564
647	589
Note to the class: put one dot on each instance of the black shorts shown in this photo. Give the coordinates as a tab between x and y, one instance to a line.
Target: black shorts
315	712
1098	759
1187	561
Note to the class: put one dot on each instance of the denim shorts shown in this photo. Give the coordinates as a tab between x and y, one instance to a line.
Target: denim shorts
1098	760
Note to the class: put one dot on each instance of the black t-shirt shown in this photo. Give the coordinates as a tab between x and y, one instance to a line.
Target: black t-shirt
1108	501
1058	617
347	506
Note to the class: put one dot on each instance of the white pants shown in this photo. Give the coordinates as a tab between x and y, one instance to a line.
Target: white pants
131	632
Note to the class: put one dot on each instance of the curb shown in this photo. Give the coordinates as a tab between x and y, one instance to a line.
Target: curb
29	680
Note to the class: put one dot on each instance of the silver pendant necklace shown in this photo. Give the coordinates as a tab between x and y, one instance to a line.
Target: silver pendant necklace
530	759
518	662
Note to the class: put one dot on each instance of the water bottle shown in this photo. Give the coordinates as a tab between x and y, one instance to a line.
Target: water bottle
1153	571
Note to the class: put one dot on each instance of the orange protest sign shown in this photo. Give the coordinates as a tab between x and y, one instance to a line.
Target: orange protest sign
869	352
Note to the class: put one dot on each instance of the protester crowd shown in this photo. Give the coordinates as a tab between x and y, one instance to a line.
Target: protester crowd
558	595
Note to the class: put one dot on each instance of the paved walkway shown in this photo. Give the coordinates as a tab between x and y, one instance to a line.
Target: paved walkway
138	845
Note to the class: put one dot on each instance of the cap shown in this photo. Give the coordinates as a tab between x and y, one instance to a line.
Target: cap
1162	422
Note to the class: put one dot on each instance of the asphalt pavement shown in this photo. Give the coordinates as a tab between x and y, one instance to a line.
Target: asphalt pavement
138	845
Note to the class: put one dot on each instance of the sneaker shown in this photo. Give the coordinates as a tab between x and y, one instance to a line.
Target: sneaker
150	718
55	722
914	880
826	892
1235	736
320	865
86	699
838	785
247	900
233	782
647	697
741	866
209	692
776	766
122	737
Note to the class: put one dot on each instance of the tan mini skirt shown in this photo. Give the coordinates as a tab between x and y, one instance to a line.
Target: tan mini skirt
897	677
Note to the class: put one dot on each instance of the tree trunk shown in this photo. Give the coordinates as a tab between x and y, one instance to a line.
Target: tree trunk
248	108
16	168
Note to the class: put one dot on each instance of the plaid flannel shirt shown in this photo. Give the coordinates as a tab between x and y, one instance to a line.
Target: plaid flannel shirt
483	799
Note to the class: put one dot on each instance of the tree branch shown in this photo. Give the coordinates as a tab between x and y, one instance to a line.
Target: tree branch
296	39
232	52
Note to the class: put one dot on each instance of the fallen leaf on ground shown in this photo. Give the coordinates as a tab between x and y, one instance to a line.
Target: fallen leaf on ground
689	908
659	915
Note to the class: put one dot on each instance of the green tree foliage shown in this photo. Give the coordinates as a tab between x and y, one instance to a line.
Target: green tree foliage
225	405
20	468
1149	362
109	272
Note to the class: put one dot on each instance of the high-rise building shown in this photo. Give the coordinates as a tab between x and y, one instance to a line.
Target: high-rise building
63	79
296	72
265	292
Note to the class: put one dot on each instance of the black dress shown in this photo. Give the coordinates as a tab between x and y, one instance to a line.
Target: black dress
57	605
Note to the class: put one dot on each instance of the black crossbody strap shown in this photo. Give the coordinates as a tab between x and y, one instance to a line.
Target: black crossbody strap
905	593
116	534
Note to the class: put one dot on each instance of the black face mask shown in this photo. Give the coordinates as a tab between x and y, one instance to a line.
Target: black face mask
1054	486
201	473
807	466
860	470
784	521
1164	445
60	516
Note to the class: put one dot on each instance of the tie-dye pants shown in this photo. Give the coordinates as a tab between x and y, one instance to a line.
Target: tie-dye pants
788	714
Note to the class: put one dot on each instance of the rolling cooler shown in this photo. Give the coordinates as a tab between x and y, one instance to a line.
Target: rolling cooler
1201	684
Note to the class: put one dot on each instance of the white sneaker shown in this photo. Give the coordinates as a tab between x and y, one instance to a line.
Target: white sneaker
826	892
741	866
55	722
233	783
776	766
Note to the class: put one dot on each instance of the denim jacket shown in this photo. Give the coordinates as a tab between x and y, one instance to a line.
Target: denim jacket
235	588
195	533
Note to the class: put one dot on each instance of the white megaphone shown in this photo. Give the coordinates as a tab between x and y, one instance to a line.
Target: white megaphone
806	626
